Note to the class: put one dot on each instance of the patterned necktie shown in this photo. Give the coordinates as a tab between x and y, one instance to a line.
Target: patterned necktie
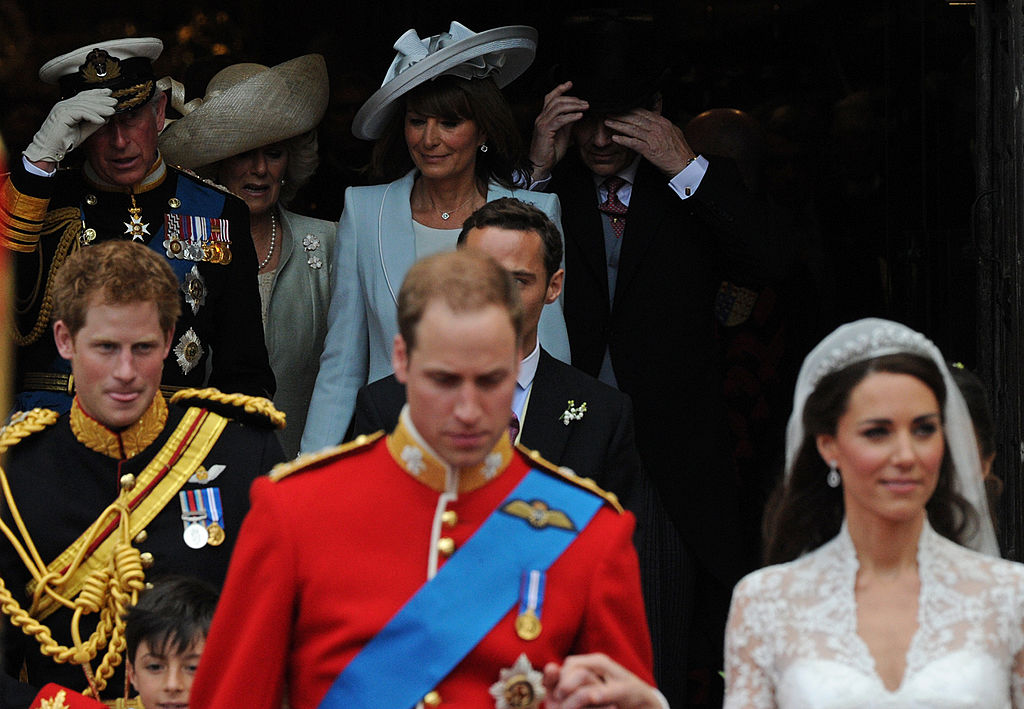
613	207
513	427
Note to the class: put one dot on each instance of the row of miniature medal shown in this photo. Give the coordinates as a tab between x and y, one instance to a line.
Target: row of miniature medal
202	517
189	238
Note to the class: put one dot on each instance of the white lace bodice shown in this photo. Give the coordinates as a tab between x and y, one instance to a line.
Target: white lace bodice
792	639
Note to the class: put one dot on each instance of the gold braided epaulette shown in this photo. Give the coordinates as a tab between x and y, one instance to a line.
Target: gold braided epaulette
311	460
542	463
23	424
255	410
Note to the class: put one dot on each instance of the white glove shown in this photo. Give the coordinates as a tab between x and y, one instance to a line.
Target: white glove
70	122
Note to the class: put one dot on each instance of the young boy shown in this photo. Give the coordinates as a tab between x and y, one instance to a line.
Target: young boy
165	633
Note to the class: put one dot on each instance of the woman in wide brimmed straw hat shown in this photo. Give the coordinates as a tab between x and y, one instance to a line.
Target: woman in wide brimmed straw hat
255	133
447	143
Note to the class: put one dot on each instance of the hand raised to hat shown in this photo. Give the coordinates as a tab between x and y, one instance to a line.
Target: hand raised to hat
655	137
596	680
70	122
551	129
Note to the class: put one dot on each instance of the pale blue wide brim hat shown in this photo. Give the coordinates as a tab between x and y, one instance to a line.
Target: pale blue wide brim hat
503	54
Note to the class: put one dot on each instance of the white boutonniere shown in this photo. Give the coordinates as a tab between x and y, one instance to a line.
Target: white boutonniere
573	412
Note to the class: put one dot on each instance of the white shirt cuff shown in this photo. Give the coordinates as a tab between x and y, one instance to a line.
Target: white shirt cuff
688	180
33	170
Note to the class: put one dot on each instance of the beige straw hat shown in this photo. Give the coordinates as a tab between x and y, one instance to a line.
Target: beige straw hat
247	106
502	53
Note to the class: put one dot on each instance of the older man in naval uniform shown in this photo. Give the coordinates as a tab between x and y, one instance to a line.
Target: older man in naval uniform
111	111
437	564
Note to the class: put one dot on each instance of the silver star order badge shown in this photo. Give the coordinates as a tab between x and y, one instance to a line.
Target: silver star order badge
136	228
194	289
519	687
188	351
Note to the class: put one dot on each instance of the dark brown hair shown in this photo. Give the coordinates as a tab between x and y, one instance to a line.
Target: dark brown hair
804	512
516	215
451	97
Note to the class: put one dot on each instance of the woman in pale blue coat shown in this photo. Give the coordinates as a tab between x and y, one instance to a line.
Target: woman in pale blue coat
448	142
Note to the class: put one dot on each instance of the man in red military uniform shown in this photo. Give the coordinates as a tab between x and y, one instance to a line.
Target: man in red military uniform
437	564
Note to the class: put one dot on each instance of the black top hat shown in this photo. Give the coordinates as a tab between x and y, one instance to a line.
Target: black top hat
616	61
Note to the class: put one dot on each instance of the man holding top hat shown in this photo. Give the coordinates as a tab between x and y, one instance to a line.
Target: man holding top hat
111	111
437	564
651	230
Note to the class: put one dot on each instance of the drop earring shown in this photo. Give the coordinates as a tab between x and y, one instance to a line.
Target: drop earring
833	478
483	147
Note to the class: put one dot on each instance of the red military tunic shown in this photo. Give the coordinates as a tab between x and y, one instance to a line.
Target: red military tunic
326	557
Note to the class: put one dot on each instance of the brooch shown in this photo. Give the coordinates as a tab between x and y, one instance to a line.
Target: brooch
573	412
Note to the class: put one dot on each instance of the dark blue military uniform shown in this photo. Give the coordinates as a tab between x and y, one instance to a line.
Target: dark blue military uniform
202	230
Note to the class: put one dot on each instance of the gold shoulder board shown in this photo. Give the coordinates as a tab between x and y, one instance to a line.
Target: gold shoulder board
542	463
248	409
311	460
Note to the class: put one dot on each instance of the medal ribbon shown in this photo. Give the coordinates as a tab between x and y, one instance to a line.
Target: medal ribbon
212	495
196	198
449	615
532	592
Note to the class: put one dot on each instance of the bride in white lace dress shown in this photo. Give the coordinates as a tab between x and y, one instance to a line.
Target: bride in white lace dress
875	599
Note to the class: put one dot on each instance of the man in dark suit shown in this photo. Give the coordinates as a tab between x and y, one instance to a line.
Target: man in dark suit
571	418
651	230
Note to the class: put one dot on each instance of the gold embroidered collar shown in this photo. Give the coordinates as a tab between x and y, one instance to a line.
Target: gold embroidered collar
119	445
153	178
415	457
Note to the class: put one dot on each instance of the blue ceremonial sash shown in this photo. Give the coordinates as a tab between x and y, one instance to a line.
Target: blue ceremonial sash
196	200
450	614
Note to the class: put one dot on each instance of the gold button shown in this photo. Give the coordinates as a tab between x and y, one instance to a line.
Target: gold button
147	559
141	537
446	545
174	203
127	481
432	699
149	586
449	518
90	199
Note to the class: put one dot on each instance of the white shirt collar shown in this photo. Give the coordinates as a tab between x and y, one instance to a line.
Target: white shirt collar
528	367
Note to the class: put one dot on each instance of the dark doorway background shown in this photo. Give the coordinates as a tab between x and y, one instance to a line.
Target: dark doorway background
869	108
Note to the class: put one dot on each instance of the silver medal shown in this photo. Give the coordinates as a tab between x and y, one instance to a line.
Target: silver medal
196	536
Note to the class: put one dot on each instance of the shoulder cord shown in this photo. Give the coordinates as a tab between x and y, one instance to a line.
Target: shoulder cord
66	217
108	591
251	404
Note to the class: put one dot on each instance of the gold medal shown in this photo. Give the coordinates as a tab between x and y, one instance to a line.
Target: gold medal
216	533
528	625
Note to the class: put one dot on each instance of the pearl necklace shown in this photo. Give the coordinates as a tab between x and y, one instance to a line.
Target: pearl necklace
273	241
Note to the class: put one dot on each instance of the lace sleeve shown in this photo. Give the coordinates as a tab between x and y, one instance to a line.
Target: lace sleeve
1017	681
748	651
